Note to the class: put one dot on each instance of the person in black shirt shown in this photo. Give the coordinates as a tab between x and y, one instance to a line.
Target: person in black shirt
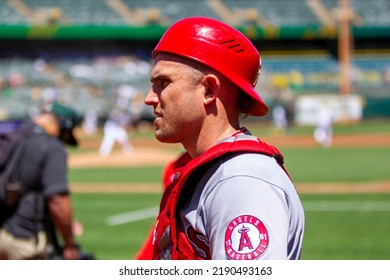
44	192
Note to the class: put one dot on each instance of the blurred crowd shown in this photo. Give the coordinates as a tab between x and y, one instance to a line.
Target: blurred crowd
89	79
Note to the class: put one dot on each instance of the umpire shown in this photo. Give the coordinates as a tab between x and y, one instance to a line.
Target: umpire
44	195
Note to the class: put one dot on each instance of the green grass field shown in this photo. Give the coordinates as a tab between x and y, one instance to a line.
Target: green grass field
338	226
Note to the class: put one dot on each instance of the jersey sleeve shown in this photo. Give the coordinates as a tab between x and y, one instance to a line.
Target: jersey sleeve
246	218
245	207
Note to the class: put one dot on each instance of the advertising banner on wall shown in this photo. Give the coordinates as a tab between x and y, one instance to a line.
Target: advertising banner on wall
342	108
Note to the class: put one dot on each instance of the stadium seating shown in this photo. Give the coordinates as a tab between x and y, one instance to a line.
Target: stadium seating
90	78
279	13
173	10
84	12
92	82
129	12
372	13
9	16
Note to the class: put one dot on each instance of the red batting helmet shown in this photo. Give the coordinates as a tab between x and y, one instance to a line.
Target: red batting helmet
219	46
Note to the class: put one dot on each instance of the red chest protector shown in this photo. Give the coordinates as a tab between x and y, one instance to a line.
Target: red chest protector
167	236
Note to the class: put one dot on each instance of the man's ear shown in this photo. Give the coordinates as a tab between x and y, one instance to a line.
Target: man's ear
212	86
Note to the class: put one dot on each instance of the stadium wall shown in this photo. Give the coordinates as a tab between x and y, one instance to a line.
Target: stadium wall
154	32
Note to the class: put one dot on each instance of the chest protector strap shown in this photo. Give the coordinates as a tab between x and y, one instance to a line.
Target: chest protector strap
184	180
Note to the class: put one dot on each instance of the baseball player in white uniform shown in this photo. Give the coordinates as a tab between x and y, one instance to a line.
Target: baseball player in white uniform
228	196
117	122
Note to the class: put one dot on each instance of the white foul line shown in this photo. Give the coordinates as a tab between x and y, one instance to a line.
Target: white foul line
308	206
346	206
133	216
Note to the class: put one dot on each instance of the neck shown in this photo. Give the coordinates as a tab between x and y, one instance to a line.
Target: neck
49	124
209	135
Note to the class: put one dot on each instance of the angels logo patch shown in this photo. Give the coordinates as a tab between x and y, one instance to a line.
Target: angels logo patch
246	238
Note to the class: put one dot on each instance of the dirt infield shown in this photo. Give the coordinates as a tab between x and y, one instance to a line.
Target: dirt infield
142	156
150	152
372	187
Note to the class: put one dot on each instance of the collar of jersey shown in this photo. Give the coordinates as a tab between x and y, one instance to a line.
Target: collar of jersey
241	131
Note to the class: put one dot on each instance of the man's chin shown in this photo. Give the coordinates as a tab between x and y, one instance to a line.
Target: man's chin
164	138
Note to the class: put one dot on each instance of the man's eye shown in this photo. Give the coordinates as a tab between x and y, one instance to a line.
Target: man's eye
164	83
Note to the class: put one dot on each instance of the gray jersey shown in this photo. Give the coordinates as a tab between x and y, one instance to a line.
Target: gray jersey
245	207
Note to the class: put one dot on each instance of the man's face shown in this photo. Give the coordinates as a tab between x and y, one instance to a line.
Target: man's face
176	99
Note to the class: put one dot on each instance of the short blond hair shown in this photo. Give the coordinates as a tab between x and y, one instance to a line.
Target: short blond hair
199	70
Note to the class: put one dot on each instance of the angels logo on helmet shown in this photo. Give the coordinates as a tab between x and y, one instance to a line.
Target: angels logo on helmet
246	238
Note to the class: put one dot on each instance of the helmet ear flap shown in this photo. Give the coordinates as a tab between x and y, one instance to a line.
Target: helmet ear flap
219	46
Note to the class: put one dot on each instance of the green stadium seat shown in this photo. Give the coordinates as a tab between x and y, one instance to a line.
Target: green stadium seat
8	16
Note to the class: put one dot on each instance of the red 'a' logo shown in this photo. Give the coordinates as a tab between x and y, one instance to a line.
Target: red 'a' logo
245	241
246	238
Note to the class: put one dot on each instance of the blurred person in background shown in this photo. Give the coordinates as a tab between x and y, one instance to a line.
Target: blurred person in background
90	122
323	132
119	118
228	196
43	198
279	119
